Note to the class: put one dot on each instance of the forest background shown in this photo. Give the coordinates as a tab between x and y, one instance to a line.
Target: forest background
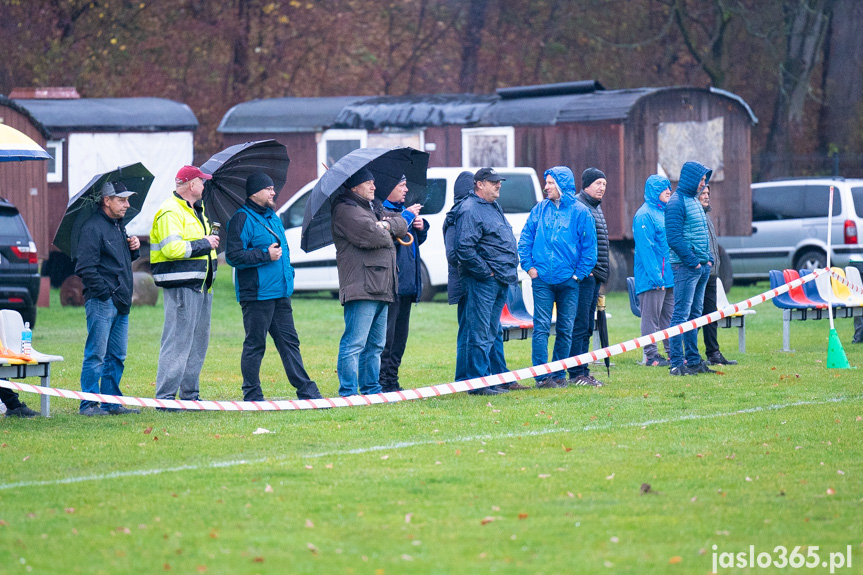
797	63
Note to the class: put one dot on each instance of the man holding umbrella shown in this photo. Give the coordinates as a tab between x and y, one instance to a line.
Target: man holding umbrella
105	256
183	257
366	259
264	284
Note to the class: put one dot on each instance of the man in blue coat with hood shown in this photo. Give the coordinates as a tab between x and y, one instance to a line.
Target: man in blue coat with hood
654	280
557	249
264	284
689	241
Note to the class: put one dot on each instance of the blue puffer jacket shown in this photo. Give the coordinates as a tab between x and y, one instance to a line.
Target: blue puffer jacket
559	240
685	220
250	233
652	265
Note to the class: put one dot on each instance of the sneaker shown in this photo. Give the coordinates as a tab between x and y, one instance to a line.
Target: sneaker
120	410
485	391
592	381
702	368
550	383
719	359
21	411
391	389
501	388
514	386
92	410
657	362
681	370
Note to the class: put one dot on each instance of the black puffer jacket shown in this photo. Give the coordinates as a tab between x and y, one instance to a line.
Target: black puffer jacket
600	271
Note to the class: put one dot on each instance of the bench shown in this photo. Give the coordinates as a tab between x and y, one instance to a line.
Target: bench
11	326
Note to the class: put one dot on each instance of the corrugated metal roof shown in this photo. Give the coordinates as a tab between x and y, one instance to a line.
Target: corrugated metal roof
112	114
551	110
414	111
279	115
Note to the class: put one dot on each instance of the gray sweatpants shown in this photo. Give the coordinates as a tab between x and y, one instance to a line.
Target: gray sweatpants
185	338
656	309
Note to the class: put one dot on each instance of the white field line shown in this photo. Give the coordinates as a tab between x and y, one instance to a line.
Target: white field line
405	445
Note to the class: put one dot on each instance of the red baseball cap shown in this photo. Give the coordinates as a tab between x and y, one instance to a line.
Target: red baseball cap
188	173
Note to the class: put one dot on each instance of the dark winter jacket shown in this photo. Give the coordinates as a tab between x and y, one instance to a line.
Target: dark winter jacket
714	244
365	254
485	244
652	264
601	270
685	221
408	257
558	240
462	187
105	261
251	231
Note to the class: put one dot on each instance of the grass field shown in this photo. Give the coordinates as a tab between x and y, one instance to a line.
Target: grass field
768	453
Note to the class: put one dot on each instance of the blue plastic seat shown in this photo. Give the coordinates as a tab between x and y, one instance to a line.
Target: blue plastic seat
783	301
634	304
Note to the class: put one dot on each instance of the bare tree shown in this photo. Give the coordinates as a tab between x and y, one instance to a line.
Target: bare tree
471	42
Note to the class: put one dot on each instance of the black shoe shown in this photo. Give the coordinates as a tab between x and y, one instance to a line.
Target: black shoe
500	388
514	386
391	389
550	383
702	368
657	361
120	410
170	409
719	359
92	411
21	411
485	391
682	370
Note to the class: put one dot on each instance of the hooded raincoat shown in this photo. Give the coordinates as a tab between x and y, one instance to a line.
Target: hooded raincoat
652	263
559	238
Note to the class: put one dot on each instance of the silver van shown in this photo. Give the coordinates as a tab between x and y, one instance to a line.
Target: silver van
789	227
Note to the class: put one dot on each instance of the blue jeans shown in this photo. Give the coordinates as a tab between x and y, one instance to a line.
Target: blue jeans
689	285
497	359
545	296
361	346
483	302
104	351
582	328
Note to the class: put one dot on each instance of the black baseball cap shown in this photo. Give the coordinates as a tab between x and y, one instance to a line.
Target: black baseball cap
115	189
487	174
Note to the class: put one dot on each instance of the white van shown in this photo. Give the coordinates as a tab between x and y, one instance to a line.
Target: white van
316	271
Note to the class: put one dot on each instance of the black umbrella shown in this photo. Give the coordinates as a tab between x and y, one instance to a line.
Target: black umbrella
602	328
226	192
387	165
85	203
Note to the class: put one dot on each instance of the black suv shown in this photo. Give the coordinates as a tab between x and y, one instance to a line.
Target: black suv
19	264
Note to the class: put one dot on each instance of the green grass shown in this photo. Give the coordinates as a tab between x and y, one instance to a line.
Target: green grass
531	482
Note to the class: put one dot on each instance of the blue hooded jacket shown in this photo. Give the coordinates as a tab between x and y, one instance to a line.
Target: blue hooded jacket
652	264
685	221
559	241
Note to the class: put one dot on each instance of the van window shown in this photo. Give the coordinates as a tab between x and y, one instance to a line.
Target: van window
435	197
517	194
857	195
793	202
293	216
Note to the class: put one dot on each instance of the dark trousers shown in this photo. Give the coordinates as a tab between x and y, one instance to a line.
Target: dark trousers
276	317
588	295
398	326
711	342
9	398
484	300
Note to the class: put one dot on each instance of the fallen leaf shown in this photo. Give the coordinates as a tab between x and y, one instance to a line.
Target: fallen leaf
565	448
3	523
26	458
148	430
155	438
312	548
260	431
201	568
693	500
614	540
329	465
674	560
610	476
309	467
258	560
69	510
522	515
268	489
543	475
166	567
385	456
840	472
699	455
658	455
309	524
406	557
570	494
408	517
486	520
748	479
458	451
831	491
645	488
501	453
214	534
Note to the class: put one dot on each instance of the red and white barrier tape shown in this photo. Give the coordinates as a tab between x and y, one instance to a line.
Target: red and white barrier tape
422	392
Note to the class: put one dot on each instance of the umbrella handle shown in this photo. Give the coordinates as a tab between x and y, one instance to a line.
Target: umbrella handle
406	243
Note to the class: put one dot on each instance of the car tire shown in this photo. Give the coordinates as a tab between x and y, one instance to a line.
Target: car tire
810	260
428	289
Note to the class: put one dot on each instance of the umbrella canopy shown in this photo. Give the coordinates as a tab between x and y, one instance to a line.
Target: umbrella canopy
16	146
226	192
85	203
387	165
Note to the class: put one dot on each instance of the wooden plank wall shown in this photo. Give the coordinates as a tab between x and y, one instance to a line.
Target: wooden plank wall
18	180
447	141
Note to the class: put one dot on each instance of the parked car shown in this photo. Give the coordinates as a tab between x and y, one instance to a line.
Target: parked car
789	227
19	264
316	271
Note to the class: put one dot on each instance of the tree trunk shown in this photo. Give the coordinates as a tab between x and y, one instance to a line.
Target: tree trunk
841	118
805	24
471	43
